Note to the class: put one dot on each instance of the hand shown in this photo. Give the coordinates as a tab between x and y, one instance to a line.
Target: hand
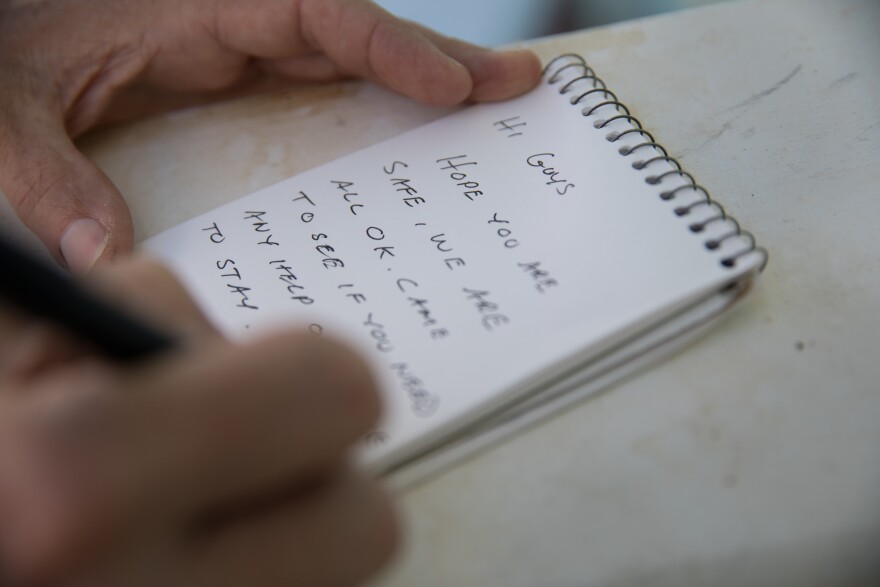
64	63
215	465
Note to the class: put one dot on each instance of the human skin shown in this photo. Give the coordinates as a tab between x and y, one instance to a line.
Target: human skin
217	464
69	65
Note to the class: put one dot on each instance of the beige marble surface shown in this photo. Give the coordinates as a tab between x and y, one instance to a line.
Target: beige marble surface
751	458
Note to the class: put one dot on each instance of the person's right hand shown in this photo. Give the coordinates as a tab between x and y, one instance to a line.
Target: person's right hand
216	465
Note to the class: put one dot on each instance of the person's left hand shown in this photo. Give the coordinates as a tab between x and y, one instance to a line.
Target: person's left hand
63	63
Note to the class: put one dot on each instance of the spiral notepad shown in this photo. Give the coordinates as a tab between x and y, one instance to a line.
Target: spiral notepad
597	99
494	265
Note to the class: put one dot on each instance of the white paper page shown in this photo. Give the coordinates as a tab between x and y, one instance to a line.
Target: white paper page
467	259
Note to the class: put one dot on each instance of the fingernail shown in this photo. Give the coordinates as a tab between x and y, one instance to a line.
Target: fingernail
82	244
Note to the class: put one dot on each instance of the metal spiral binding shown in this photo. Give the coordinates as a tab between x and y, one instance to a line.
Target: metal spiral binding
609	100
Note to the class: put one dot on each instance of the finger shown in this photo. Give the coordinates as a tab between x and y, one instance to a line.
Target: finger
36	347
366	40
42	476
496	75
413	60
311	68
140	285
28	346
57	192
93	453
339	534
12	326
272	412
148	289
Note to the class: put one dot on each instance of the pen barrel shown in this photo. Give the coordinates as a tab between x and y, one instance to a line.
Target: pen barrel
45	292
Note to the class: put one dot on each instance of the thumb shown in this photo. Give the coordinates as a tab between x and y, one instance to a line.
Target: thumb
58	193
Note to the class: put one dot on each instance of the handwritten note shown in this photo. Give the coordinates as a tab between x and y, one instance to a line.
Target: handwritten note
467	259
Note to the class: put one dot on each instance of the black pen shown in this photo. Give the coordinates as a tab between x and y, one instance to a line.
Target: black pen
36	288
